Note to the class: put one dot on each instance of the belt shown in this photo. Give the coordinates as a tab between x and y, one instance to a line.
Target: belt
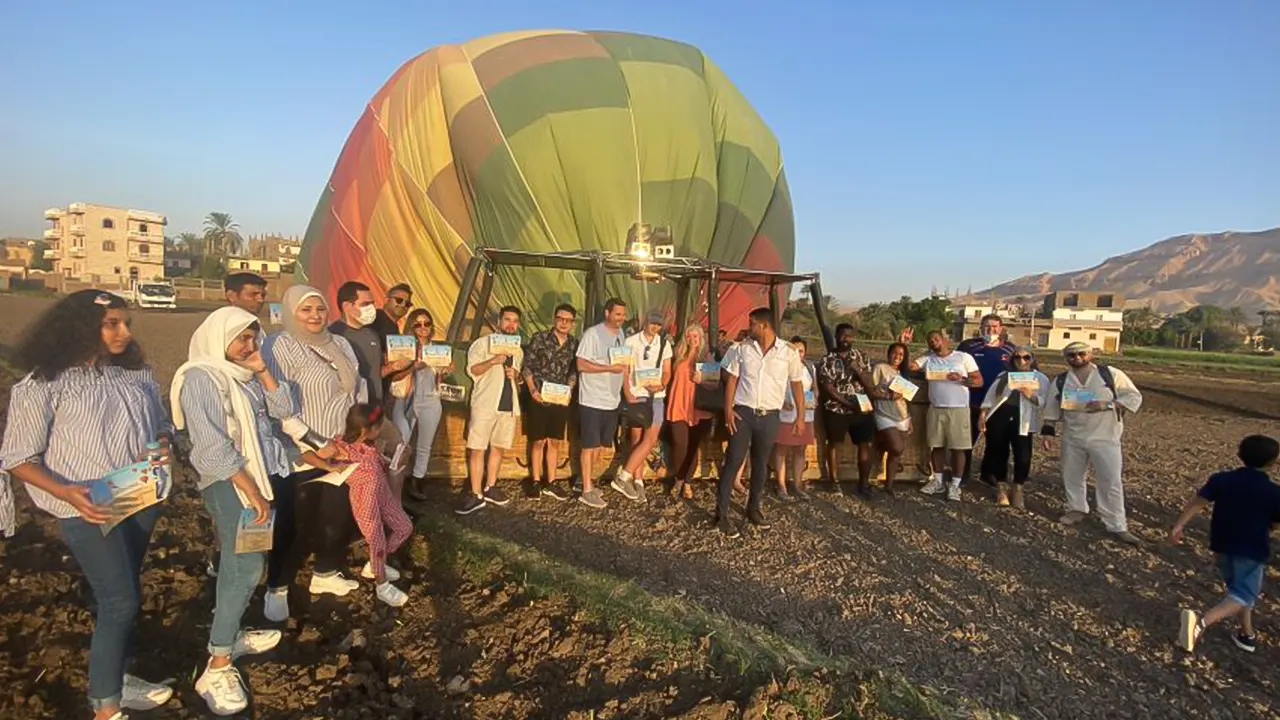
758	412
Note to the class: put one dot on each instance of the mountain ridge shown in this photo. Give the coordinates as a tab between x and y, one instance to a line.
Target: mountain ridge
1224	268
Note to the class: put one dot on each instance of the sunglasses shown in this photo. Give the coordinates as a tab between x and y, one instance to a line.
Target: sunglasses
422	323
1077	354
403	302
1021	357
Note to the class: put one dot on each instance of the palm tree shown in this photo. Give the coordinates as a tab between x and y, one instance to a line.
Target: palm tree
221	234
190	243
1236	317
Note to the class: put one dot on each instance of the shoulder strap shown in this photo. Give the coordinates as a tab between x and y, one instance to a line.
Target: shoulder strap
1107	378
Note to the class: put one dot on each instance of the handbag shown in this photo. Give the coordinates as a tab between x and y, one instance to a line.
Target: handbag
636	414
708	399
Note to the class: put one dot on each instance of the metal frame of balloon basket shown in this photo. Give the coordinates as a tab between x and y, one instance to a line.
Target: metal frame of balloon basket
687	273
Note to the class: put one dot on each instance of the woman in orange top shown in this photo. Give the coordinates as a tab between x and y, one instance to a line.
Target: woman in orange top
689	425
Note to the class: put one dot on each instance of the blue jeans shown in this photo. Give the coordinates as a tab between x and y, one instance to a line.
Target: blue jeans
424	413
238	575
113	565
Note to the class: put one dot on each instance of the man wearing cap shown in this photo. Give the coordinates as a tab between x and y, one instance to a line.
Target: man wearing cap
991	351
1089	402
650	351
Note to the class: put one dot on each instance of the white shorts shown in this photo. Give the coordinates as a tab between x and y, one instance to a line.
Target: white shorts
884	423
659	411
490	428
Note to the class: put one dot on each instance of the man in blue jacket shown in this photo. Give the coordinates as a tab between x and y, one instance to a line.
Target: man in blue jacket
991	349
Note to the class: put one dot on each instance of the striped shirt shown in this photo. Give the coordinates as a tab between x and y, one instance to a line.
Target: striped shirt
82	426
213	453
8	516
313	382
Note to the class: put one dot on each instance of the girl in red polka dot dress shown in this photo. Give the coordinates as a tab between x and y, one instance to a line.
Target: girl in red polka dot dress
382	520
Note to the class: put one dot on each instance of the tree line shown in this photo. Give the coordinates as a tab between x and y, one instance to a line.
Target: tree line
1203	327
220	238
874	321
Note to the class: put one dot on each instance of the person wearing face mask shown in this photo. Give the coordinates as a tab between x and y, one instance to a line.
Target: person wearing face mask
357	315
1089	401
991	350
1010	419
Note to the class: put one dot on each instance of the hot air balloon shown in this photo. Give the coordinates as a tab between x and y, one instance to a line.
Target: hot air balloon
551	141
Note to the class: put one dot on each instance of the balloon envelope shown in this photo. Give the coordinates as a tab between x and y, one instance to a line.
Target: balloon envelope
546	141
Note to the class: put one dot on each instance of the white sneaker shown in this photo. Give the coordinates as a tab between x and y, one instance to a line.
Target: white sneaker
275	605
934	487
392	595
141	695
1190	630
335	584
223	690
367	573
953	493
254	642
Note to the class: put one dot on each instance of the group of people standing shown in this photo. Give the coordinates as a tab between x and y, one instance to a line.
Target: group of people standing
292	428
288	428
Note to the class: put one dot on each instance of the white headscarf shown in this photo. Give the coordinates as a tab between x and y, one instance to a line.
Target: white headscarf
208	352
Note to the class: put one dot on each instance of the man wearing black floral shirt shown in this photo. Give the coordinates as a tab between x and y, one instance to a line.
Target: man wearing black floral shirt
552	357
844	375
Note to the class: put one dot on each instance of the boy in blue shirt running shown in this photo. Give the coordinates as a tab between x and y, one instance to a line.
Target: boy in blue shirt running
1246	504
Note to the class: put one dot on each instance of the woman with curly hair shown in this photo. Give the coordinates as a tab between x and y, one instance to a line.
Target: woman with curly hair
89	406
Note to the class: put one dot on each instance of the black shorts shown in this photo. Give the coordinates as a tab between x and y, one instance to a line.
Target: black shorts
860	427
597	428
545	422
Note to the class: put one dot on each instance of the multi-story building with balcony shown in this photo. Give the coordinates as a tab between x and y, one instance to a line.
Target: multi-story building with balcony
1096	318
100	242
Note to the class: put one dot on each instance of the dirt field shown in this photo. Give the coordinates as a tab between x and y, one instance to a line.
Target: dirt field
971	602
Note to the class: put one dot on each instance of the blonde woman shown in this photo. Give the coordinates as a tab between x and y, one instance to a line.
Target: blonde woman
690	425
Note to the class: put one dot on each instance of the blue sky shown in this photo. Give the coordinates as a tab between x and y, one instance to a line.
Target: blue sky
952	143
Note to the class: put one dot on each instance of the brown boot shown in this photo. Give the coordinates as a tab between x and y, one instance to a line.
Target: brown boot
1002	494
1018	501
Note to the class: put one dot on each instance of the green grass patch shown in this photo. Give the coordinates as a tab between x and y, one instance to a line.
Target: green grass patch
817	684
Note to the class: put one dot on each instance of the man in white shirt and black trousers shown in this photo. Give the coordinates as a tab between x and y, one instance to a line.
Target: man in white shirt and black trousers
759	373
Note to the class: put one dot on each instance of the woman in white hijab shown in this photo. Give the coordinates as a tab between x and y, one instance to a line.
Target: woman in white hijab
321	373
225	397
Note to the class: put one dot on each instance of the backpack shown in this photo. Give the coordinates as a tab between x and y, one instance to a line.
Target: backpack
1108	380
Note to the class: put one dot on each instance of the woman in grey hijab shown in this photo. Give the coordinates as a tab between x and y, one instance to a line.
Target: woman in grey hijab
1011	417
320	370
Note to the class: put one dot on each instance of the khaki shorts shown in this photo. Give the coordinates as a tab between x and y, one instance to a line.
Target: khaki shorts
948	428
491	428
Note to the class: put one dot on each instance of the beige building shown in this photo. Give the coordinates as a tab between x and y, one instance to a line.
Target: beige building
18	252
268	268
100	242
284	250
1071	316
